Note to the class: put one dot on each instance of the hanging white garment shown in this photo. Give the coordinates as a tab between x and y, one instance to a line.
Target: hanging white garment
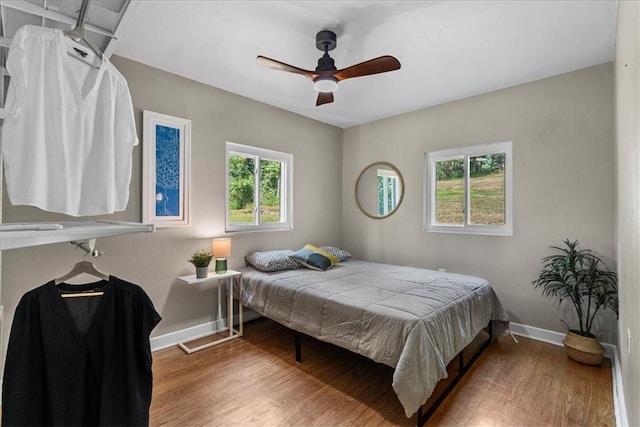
68	130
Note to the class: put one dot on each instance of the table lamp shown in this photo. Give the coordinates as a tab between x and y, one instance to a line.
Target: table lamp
221	249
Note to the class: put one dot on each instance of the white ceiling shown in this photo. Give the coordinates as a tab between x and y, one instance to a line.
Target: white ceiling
448	49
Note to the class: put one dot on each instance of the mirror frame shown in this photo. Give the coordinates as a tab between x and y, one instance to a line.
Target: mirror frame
395	169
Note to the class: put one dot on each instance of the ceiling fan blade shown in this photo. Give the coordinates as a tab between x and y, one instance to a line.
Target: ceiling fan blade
378	65
281	66
324	98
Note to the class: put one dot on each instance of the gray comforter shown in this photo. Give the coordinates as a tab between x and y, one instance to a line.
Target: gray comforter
412	319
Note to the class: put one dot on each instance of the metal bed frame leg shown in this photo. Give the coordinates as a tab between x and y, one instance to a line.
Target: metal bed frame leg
421	419
462	369
297	336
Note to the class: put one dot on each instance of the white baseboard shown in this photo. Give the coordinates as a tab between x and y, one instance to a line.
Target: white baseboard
618	391
610	351
195	332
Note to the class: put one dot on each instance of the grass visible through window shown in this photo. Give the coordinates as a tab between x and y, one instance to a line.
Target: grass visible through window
245	216
487	195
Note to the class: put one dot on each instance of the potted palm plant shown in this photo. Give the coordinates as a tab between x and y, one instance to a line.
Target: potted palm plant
583	278
201	259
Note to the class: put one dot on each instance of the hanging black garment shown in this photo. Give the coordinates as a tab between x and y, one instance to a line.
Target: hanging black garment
80	361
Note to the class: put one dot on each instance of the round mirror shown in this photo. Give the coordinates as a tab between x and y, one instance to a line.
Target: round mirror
379	190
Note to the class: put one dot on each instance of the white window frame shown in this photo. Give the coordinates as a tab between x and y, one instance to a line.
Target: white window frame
286	190
432	158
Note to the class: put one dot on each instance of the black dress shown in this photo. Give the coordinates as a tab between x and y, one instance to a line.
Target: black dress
80	361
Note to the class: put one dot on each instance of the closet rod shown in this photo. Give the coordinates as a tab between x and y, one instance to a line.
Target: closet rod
25	6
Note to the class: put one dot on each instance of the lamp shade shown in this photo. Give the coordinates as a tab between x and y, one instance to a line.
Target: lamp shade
221	247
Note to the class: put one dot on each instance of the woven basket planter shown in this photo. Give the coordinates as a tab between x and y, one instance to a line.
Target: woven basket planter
583	349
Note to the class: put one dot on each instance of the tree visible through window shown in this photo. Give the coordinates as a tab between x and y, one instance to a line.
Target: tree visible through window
469	190
450	191
258	184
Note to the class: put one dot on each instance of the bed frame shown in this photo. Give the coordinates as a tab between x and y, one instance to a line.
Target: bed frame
415	353
462	369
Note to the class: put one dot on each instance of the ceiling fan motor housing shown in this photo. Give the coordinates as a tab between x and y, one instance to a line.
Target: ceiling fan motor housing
326	39
326	63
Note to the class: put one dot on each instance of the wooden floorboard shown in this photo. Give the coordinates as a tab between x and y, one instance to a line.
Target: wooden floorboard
255	381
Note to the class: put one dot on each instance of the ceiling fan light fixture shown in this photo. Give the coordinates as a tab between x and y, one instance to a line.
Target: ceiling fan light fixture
325	84
326	76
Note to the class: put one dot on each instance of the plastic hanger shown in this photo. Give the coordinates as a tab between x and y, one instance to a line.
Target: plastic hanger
80	268
77	51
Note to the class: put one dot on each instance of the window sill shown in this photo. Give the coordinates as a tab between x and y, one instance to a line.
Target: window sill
477	230
240	229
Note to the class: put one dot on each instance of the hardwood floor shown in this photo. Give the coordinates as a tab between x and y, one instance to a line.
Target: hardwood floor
255	381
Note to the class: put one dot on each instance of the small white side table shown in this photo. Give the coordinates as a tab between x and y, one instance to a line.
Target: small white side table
228	278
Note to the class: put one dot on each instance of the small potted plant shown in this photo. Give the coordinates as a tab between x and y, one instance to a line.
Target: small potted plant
201	259
583	278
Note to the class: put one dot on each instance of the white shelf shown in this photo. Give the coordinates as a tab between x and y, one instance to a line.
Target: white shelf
192	279
36	234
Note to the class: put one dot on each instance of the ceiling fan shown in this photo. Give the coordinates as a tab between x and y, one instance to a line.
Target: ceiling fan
326	77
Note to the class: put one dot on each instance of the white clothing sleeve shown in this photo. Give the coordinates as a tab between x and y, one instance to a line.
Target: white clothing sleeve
16	69
125	139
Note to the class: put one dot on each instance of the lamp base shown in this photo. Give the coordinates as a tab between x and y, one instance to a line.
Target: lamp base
221	265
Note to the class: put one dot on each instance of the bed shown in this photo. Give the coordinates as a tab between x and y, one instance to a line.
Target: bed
411	319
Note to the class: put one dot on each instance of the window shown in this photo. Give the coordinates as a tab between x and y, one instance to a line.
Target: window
468	190
259	189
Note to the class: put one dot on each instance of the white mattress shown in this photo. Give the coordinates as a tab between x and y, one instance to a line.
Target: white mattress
414	320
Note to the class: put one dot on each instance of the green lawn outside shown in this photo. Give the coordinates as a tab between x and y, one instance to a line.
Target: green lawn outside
487	200
245	216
